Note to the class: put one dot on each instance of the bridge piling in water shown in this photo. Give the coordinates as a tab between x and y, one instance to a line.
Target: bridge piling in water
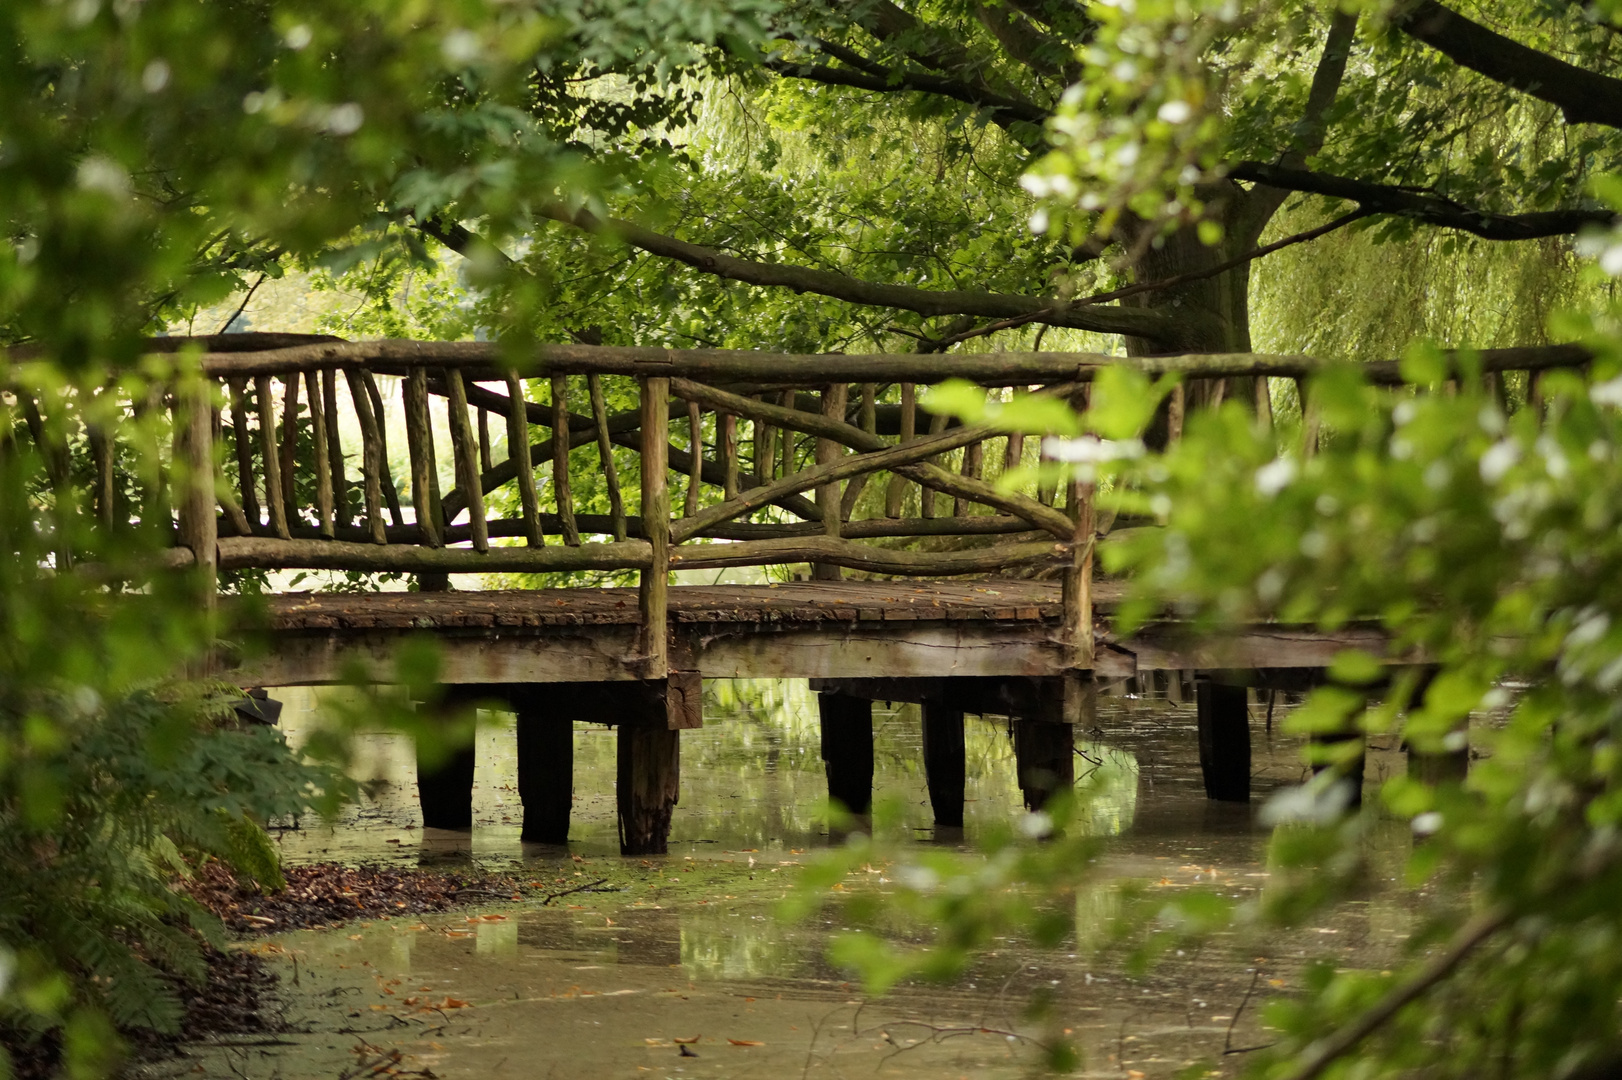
945	762
846	724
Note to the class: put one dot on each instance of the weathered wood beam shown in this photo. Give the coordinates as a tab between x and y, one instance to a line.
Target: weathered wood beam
837	551
736	365
243	552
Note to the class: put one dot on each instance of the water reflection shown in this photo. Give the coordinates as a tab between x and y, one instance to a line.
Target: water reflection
752	777
686	944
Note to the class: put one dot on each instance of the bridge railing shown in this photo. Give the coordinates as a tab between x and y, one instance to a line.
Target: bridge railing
740	459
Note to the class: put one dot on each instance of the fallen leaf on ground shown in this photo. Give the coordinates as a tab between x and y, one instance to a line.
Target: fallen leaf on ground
687	1040
745	1042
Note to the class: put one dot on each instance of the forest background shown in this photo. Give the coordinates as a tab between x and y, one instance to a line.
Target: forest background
1154	177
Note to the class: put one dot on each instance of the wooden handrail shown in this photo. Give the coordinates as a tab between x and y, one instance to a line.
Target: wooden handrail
755	435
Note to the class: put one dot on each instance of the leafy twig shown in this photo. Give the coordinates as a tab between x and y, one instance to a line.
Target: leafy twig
578	888
1326	1051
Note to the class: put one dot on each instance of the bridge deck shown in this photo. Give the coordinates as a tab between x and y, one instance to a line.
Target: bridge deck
824	630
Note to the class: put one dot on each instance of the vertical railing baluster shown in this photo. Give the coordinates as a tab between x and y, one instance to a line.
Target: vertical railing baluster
227	498
485	459
323	457
788	399
1177	411
605	456
335	446
973	465
926	496
390	494
895	495
371	455
828	501
464	449
764	445
518	451
695	466
289	447
868	418
560	460
726	437
420	448
244	451
269	457
654	593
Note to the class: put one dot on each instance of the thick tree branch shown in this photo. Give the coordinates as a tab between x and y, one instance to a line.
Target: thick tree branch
1421	206
1004	111
893	25
1309	130
1021	40
1584	97
1137	322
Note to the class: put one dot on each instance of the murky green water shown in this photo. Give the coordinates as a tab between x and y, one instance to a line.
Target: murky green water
601	982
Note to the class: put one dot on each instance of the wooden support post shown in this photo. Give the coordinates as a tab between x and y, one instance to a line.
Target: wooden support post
446	790
945	763
545	771
198	517
1045	757
649	779
1224	730
847	750
485	462
653	593
1449	765
828	451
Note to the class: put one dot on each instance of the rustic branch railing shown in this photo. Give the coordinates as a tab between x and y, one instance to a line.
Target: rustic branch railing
773	456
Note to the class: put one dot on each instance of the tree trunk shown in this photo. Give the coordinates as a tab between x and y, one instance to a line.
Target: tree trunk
1217	307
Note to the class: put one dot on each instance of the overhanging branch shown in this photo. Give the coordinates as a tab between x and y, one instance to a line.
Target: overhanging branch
1582	96
1136	322
1422	206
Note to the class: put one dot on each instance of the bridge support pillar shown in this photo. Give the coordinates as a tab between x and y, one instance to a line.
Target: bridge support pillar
1045	757
446	791
1224	726
545	774
847	750
649	781
945	763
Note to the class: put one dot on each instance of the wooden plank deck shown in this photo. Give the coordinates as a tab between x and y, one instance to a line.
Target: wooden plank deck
827	630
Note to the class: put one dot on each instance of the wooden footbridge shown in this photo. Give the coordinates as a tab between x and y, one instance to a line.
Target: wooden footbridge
634	463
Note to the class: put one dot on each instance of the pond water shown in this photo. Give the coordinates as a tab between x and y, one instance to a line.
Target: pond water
600	983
